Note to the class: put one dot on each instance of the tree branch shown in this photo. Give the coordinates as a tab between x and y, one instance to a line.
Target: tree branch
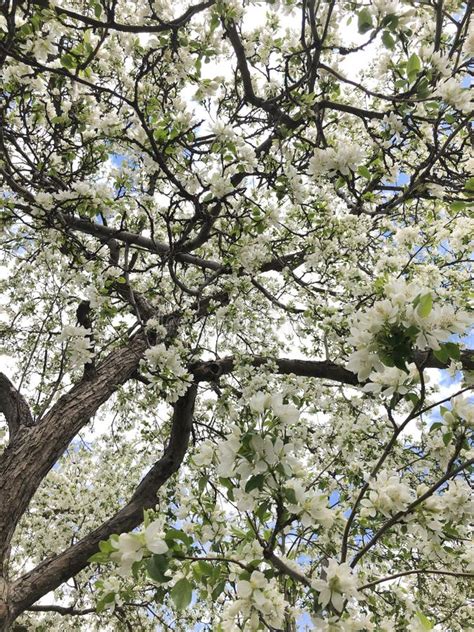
13	405
415	571
25	463
324	369
62	610
401	514
52	572
129	28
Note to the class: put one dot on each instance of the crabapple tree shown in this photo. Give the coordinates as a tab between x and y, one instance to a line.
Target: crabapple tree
236	241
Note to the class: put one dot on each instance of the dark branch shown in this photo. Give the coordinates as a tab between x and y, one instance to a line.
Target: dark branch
52	572
323	369
13	405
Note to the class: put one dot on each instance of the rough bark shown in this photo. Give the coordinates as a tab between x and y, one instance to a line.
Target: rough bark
34	450
52	572
13	405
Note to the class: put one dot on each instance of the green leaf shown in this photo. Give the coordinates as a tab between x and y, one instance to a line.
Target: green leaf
425	305
255	482
447	438
364	21
68	61
218	590
364	172
388	40
399	362
202	483
290	496
413	398
413	67
182	593
412	332
97	10
452	349
104	602
441	354
386	359
106	547
436	426
425	622
203	569
177	534
422	89
457	206
470	185
156	568
99	558
391	21
262	511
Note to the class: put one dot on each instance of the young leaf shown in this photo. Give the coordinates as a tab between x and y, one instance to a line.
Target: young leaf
255	482
364	21
103	603
68	61
413	67
182	593
364	172
425	622
425	305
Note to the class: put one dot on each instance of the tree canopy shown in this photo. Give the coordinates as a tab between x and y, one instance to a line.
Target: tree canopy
236	259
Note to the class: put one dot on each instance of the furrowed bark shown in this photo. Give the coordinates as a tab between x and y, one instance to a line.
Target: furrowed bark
52	572
13	405
26	461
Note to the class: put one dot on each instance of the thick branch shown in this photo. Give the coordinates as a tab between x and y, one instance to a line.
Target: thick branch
62	610
51	573
249	93
323	369
25	463
99	230
13	405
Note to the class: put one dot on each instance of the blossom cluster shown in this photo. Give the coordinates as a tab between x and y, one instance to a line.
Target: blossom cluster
131	547
164	363
387	333
340	583
341	159
388	495
79	344
256	596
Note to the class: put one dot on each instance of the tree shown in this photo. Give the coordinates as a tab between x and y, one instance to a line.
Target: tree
236	247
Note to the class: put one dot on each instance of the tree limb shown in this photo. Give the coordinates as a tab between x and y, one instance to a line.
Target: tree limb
324	369
25	463
52	572
13	405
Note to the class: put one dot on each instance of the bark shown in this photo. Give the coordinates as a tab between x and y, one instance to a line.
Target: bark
35	449
13	405
323	369
52	572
